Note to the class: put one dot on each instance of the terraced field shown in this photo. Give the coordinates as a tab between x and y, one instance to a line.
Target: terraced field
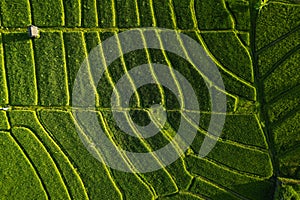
255	46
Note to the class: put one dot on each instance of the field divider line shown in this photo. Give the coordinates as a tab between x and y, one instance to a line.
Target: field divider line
280	61
4	68
31	164
289	180
26	156
235	97
263	132
259	51
80	5
220	187
65	69
96	12
173	15
196	28
160	88
239	145
63	13
60	150
109	29
95	109
137	13
32	47
125	158
154	23
123	62
94	86
114	15
31	11
193	14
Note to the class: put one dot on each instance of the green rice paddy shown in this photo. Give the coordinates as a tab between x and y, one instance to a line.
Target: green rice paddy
256	47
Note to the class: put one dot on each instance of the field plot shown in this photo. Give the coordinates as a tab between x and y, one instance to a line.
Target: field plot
255	46
20	69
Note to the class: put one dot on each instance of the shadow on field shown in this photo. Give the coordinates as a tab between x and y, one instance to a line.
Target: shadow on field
15	37
257	190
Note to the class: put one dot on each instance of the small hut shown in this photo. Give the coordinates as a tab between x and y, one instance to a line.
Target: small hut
33	31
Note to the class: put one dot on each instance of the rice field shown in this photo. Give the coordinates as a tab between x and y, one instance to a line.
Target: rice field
255	46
